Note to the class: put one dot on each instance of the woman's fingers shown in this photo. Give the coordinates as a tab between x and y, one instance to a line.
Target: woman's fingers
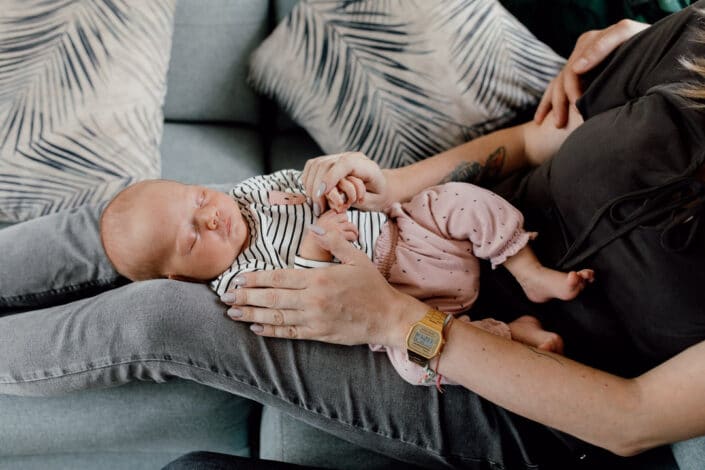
281	278
559	102
312	179
288	332
277	317
272	322
324	174
590	50
601	45
273	298
544	106
572	91
338	304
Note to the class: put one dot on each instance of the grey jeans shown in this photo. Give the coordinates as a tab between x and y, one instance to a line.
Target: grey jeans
68	322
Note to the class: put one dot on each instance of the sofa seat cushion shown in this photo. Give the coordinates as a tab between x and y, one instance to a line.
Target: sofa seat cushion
285	439
205	154
156	421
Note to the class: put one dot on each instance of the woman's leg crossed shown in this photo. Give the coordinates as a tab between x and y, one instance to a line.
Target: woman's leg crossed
157	330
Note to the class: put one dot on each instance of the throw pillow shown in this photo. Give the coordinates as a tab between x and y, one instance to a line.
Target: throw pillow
401	80
81	88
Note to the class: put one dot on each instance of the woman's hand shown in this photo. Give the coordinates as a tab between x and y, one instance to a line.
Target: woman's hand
348	192
323	176
346	304
591	48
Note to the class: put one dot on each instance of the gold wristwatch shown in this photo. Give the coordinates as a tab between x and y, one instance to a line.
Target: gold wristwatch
425	338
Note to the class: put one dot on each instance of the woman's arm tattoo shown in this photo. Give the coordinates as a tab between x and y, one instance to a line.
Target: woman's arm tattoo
475	173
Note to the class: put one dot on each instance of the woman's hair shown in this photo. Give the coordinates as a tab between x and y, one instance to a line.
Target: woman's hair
695	90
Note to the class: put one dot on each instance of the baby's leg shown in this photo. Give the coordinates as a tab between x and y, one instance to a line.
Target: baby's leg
541	283
528	330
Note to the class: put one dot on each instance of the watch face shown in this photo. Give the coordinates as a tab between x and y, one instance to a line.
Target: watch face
424	341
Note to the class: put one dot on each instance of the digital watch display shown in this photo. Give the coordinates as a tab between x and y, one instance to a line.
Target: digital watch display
425	338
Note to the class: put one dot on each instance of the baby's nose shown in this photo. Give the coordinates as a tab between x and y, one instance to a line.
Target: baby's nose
210	217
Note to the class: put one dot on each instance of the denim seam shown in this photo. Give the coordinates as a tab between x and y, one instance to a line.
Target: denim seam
276	395
48	293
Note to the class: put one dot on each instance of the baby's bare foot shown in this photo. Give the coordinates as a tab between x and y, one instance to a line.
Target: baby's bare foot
528	330
546	284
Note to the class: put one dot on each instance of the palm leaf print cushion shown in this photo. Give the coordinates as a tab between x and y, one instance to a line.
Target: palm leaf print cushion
401	80
82	84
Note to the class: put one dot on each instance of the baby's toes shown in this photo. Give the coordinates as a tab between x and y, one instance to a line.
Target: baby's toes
574	281
587	274
553	343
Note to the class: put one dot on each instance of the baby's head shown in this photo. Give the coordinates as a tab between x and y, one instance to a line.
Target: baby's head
164	229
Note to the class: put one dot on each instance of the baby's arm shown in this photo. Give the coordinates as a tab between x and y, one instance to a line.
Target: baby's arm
329	220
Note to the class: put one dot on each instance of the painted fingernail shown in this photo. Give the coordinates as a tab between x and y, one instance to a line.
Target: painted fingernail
316	209
257	328
239	281
235	313
320	190
228	297
316	229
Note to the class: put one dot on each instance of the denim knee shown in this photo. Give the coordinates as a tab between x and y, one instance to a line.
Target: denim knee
165	312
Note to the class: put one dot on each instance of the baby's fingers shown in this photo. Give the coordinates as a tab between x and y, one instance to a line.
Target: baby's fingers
349	231
360	189
336	200
348	191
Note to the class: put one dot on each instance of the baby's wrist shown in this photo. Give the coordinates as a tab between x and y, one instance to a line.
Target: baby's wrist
309	249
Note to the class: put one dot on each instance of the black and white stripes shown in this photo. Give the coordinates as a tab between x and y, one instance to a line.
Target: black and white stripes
276	230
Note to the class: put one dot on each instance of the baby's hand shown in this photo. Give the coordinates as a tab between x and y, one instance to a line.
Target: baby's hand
329	221
348	192
338	221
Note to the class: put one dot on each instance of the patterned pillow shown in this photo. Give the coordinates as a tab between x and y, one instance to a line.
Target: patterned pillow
81	88
401	80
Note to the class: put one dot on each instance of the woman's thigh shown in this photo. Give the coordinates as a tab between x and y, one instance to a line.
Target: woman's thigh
157	330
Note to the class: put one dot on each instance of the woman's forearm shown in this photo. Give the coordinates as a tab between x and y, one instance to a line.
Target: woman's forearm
551	389
486	159
624	416
480	160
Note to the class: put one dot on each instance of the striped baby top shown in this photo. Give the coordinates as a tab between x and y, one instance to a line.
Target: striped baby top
277	211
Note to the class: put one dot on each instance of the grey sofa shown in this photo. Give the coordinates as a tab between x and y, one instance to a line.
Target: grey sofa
216	131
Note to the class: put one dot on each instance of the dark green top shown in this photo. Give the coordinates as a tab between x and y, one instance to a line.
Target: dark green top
622	188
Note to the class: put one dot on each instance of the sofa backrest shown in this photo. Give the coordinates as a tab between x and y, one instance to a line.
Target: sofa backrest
207	72
213	40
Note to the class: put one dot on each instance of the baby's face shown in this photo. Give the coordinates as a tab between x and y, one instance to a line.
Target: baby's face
199	231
